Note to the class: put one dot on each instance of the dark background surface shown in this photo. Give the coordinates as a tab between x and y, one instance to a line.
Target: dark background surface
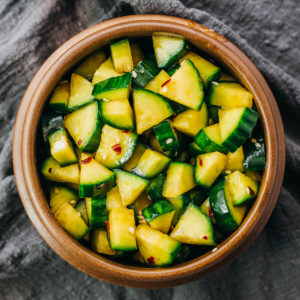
268	31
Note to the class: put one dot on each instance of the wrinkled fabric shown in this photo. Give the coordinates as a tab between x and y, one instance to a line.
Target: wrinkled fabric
268	31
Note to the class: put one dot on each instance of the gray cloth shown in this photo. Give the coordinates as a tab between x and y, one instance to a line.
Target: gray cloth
267	31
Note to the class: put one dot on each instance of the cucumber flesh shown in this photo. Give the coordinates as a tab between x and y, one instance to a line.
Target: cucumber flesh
136	53
81	208
135	157
113	199
155	188
180	203
235	161
59	100
155	84
121	56
205	207
100	242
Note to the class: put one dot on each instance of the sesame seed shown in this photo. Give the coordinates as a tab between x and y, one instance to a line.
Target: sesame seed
215	83
253	140
134	75
56	191
257	145
131	230
79	214
72	202
169	141
248	190
214	250
104	99
228	172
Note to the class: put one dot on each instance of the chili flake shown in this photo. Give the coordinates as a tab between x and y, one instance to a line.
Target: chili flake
117	148
125	131
205	237
166	82
107	226
79	142
50	170
200	162
151	260
250	191
210	213
86	161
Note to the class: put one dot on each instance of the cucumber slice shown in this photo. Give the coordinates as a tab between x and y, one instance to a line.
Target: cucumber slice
145	71
197	196
81	209
60	195
84	126
122	229
80	92
205	207
59	100
135	157
208	71
155	188
255	154
138	205
115	88
180	179
50	122
155	84
236	125
173	69
89	66
151	164
61	148
195	149
136	53
96	211
130	186
214	112
229	95
180	203
241	188
194	227
191	121
208	167
117	113
105	71
235	161
121	56
168	49
113	199
157	248
100	242
185	86
209	139
116	147
228	216
52	171
159	215
71	222
95	179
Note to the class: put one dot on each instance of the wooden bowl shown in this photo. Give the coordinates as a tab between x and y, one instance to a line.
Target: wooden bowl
24	152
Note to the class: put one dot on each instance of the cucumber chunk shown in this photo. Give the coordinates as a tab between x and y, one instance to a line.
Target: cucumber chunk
185	86
205	207
95	179
81	208
157	248
173	69
235	161
61	148
122	229
130	186
155	84
50	122
197	196
121	56
80	92
138	205
84	126
100	242
180	203
255	154
135	157
115	88
96	211
145	71
117	113
71	222
194	227
150	109
113	199
213	112
208	167
59	100
136	53
180	179
155	188
116	147
52	171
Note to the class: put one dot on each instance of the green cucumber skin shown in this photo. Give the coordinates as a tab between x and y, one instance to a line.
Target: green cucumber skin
197	197
59	108
185	200
157	209
244	130
99	213
145	71
177	107
50	122
173	69
213	112
214	77
80	207
219	207
195	149
204	142
154	190
255	157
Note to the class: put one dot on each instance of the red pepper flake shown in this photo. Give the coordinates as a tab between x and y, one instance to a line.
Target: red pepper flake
200	162
210	213
151	260
86	161
125	131
50	170
166	82
205	237
107	226
79	142
117	148
251	192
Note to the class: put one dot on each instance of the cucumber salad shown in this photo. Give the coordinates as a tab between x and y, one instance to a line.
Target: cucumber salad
151	154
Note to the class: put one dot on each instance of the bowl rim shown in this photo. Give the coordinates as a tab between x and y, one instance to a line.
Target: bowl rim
27	180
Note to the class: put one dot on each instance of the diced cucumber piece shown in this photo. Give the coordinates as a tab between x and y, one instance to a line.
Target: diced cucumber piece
256	176
116	147
177	108
241	188
226	77
150	109
235	161
157	248
145	71
151	164
180	203
130	186
205	207
191	121
95	179
117	113
115	88
168	49
155	188
173	69
135	157
208	71
100	242
61	148
197	196
180	179
71	222
208	167
121	56
96	211
155	84
136	53
236	125
213	112
166	136
84	126
139	204
194	227
195	149
113	199
52	171
255	154
60	195
159	215
89	66
185	86
228	216
105	71
50	122
59	100
81	208
80	92
122	229
229	95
